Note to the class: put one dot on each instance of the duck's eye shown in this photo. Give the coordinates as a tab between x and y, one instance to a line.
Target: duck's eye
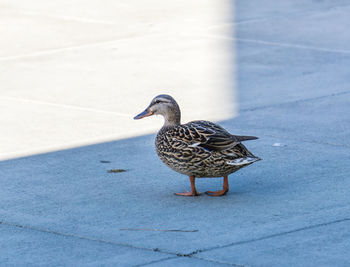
158	101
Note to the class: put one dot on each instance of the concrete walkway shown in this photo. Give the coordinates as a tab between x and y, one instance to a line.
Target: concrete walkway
290	209
75	73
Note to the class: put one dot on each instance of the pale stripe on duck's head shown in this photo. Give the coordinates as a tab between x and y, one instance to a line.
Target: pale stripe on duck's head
163	105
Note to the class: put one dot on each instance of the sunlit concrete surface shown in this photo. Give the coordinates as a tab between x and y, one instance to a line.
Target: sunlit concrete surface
76	72
292	208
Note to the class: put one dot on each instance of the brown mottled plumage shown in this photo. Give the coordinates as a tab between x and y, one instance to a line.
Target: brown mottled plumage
198	148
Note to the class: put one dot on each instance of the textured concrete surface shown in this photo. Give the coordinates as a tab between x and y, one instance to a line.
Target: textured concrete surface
74	73
290	209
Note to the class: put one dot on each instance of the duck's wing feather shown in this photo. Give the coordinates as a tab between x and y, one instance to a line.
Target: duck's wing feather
210	136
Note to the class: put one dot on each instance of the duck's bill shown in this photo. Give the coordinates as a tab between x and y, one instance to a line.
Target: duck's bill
143	114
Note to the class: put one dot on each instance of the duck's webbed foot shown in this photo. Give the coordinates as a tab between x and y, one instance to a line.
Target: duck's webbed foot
220	192
193	192
216	193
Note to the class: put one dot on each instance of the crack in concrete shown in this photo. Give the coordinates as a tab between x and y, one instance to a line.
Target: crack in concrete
271	43
51	51
298	46
83	237
61	105
305	141
291	14
197	258
157	250
65	18
220	262
176	254
294	101
277	234
156	261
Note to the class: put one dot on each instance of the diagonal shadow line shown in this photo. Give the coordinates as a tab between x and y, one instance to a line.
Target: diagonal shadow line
90	142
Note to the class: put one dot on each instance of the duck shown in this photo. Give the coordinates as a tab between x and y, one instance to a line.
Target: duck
197	149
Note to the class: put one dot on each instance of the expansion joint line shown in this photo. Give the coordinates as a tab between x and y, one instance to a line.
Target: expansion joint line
278	234
37	229
295	101
173	255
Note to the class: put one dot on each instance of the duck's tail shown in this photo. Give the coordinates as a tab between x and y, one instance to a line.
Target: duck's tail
243	161
241	138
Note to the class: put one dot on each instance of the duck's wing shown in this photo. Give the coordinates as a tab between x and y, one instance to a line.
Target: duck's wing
210	136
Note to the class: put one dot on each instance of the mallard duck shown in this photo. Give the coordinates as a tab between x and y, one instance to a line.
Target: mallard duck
198	148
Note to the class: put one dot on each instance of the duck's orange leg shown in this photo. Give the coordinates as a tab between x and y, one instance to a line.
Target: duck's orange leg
220	192
193	189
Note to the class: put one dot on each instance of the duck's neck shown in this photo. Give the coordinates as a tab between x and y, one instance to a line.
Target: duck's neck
172	118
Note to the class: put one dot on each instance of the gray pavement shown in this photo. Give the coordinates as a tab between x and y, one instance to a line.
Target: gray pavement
290	209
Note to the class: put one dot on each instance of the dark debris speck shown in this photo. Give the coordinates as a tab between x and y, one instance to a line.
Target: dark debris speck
116	170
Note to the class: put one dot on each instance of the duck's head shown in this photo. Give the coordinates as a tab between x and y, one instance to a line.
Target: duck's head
163	105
